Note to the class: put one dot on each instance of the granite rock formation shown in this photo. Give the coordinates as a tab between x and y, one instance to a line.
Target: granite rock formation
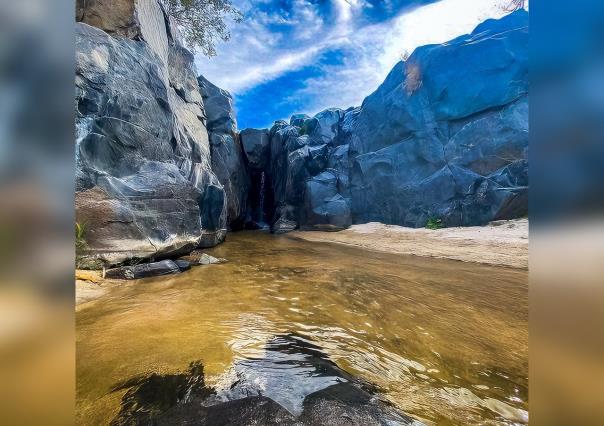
162	168
144	181
444	137
228	159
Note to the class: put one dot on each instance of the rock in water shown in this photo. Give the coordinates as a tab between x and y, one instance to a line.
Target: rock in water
198	258
144	270
144	181
256	144
228	160
206	259
183	265
249	411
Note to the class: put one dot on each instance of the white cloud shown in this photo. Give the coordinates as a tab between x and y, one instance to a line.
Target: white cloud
256	55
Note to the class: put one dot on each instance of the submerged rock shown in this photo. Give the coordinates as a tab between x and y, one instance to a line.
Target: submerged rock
345	403
295	383
144	270
206	259
198	258
248	411
148	397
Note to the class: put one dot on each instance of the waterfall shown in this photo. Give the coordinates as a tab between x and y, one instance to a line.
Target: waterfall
261	200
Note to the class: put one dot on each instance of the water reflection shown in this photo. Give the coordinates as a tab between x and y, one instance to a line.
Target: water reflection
444	341
294	381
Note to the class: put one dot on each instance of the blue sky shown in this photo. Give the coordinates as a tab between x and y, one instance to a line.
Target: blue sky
291	56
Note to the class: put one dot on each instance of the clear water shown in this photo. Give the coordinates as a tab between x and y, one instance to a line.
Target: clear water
445	341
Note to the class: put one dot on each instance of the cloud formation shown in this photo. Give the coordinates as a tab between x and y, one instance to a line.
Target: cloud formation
304	56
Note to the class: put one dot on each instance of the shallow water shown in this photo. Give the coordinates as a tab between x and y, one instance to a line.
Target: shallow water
444	341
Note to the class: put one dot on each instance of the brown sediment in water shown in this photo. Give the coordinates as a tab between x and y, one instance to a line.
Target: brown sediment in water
503	243
444	341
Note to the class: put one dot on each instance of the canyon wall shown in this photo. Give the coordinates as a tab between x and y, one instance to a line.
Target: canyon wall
445	137
162	168
145	187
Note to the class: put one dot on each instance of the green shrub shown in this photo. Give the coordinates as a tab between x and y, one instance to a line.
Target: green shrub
434	223
80	237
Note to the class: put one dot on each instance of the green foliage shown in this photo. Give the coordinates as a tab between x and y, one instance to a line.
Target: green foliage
434	223
203	22
80	237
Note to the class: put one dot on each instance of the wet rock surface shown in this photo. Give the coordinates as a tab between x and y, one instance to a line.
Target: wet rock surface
183	265
294	384
145	270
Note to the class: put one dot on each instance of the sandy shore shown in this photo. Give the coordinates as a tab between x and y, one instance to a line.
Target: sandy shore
502	243
90	285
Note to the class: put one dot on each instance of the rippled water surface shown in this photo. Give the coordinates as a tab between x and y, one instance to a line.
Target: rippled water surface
444	341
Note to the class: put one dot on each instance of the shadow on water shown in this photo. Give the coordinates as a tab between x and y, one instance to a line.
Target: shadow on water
294	384
149	396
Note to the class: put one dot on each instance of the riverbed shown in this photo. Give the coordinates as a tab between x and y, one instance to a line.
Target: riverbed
444	341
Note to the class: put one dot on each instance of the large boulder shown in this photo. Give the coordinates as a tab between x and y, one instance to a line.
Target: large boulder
293	383
284	215
298	119
228	159
446	134
324	127
256	144
324	207
144	182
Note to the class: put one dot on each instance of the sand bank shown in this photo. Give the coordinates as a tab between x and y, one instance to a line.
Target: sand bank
502	243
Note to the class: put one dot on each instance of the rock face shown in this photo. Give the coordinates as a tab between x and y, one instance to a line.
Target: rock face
228	160
162	169
444	137
454	145
144	180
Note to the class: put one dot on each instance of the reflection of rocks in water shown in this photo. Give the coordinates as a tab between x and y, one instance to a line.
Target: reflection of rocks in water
291	369
295	383
149	396
300	377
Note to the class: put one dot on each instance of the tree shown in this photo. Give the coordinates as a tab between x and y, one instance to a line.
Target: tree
203	22
514	5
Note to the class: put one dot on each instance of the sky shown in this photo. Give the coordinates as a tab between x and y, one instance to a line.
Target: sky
303	56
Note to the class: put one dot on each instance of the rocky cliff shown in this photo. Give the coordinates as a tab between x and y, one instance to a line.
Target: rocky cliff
144	181
445	137
162	168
